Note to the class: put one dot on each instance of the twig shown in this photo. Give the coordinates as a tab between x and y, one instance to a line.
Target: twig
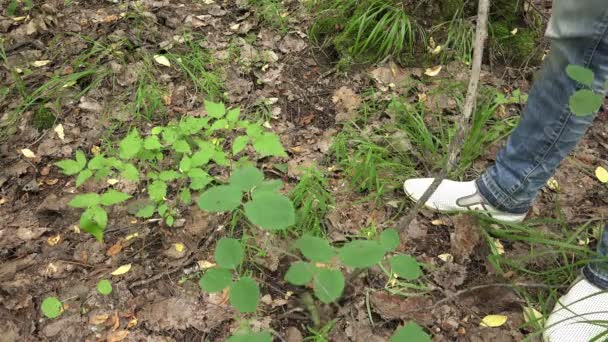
464	122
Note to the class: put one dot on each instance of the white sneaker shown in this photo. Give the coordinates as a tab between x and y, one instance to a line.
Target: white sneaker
456	197
579	316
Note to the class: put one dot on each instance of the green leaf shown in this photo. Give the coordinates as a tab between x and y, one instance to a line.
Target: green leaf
85	200
162	209
104	287
202	157
246	178
156	130
146	212
157	190
169	135
130	172
268	144
130	145
580	74
185	164
300	273
245	295
81	159
97	162
219	124
199	179
94	221
112	197
51	307
182	146
328	285
411	332
233	115
191	125
169	175
83	176
389	239
361	253
169	220
274	185
229	253
315	248
239	144
585	102
219	157
254	131
152	143
263	336
215	280
271	211
405	267
185	196
220	198
69	167
215	110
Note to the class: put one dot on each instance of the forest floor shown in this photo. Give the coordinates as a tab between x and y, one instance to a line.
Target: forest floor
88	67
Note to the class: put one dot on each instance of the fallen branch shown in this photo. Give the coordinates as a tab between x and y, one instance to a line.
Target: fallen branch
464	125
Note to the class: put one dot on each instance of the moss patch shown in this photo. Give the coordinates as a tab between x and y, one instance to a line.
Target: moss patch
43	118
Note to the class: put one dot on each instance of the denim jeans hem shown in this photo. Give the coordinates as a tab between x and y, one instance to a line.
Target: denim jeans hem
492	193
595	277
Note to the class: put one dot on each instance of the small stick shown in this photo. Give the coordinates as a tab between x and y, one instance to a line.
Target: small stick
464	125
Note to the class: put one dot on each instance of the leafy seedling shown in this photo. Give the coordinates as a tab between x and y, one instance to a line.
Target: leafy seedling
51	307
104	287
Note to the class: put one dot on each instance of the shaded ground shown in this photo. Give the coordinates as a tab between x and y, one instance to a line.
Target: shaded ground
270	73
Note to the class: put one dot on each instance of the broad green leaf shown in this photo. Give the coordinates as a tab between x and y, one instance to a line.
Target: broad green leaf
300	273
405	267
229	253
81	159
130	172
315	248
94	221
152	143
157	190
51	307
185	196
215	280
146	212
361	253
169	135
191	125
580	74
219	124
97	162
199	179
162	209
169	220
271	211
233	115
182	146
169	175
268	144
69	167
274	185
219	157
114	162
112	197
156	130
215	110
585	102
254	131
239	144
104	287
85	200
130	145
263	336
202	157
328	285
185	164
246	178
389	239
245	295
83	176
220	198
411	332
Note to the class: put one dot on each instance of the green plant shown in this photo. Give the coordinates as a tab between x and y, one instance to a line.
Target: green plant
410	332
312	200
51	307
272	12
18	7
321	335
584	101
104	287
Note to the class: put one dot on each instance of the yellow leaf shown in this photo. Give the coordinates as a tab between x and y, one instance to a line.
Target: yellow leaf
162	60
446	257
112	181
131	236
436	50
601	174
432	43
532	315
584	242
500	249
98	319
438	222
179	247
204	264
553	184
514	32
493	321
28	153
122	270
39	64
132	323
53	240
59	130
95	150
434	71
76	229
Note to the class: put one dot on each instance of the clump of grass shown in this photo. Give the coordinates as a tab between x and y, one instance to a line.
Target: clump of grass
313	200
271	12
460	37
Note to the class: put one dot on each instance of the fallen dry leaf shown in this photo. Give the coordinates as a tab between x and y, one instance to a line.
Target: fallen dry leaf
514	31
132	323
39	64
553	184
53	240
446	257
500	248
162	60
28	153
98	319
493	321
434	71
131	236
59	130
118	335
179	247
51	181
115	249
112	181
95	150
601	174
204	264
122	270
347	103
532	315
436	50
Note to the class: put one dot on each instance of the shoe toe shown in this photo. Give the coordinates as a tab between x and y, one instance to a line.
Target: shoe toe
414	188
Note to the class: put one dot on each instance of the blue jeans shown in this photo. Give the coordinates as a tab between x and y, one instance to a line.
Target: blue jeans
548	131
